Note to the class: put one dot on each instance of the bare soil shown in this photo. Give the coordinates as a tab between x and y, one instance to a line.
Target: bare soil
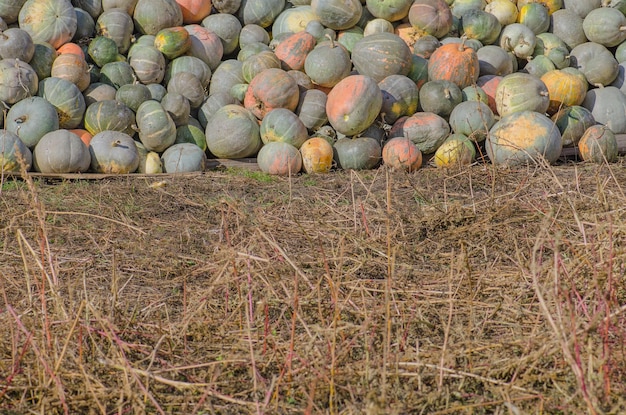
474	291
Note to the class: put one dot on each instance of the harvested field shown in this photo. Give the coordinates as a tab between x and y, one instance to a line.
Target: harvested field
479	291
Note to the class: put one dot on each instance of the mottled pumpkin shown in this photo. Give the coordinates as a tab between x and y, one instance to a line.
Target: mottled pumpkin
400	153
353	104
454	62
317	155
279	158
565	88
598	145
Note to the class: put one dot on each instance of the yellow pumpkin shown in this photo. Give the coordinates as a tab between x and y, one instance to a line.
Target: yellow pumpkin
566	88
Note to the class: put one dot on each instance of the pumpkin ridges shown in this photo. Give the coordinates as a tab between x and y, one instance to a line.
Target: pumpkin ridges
454	62
292	51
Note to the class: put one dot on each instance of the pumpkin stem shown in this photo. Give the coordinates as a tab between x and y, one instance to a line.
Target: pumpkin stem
446	93
116	143
462	44
332	41
598	85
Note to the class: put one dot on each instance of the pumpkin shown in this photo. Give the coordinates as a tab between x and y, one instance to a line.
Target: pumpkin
349	37
93	7
472	119
188	85
327	64
156	128
337	15
353	104
480	25
102	50
113	152
359	153
262	13
460	7
127	5
292	51
606	26
109	115
149	161
117	74
425	46
583	7
554	48
117	25
194	10
227	74
227	27
183	158
439	97
390	11
172	42
253	33
518	39
9	10
551	5
233	132
226	6
489	84
16	43
212	104
257	63
61	151
568	26
177	106
84	135
454	62
133	95
493	60
456	151
521	92
294	19
281	124
475	93
381	55
535	16
572	123
505	11
32	118
565	88
205	45
150	16
596	62
42	59
279	158
432	17
98	92
400	97
13	152
608	107
311	109
52	21
523	137
598	145
191	133
73	68
317	155
18	80
426	129
400	153
272	88
147	63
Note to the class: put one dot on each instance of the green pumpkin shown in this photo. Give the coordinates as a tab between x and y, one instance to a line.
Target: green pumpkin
12	152
150	16
32	118
360	153
157	130
66	98
183	158
109	115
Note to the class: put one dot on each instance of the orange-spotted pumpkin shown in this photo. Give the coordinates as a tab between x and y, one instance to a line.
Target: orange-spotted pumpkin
598	145
194	10
272	88
400	153
293	50
279	158
172	42
353	104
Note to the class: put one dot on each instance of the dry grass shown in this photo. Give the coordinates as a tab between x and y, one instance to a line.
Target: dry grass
468	292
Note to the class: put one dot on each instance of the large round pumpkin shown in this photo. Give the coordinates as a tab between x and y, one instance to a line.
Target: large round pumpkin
205	45
317	155
353	104
150	16
360	153
472	119
606	26
328	63
113	152
233	132
61	151
337	15
109	115
521	92
523	137
279	158
608	107
66	98
281	124
400	97
454	62
18	80
426	129
572	122
400	153
183	158
32	118
566	88
52	21
381	55
596	62
116	24
598	144
431	16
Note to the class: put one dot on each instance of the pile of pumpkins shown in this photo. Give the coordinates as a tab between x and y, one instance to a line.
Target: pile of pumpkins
123	86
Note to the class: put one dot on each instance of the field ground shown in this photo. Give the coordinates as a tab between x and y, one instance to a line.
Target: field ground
480	291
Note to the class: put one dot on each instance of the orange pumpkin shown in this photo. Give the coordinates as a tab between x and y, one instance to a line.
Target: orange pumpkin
400	153
317	155
72	68
85	136
598	145
194	10
71	47
454	62
293	50
565	87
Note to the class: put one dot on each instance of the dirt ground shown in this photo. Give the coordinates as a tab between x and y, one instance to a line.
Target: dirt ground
474	291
